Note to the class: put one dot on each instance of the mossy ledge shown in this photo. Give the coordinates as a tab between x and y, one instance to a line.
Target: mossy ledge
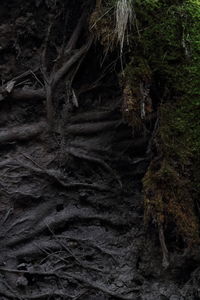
160	76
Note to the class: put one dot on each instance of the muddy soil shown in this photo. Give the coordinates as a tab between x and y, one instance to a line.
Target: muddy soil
71	206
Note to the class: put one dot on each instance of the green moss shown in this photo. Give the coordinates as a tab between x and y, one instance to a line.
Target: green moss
164	48
167	38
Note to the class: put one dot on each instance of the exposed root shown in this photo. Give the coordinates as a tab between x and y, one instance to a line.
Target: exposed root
24	132
18	222
76	34
65	217
77	153
96	286
13	294
70	62
76	259
68	275
25	94
92	116
88	128
56	175
91	244
56	294
31	249
48	295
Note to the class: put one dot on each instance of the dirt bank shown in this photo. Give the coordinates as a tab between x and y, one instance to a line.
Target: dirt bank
71	169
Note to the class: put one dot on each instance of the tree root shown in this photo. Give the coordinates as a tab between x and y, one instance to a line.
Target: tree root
74	152
67	216
54	293
13	294
93	145
27	94
37	215
76	34
90	128
67	276
20	221
24	132
86	117
91	244
24	94
56	175
96	286
31	249
69	63
76	259
49	295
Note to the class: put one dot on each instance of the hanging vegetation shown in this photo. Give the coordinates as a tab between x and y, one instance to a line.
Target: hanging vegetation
161	76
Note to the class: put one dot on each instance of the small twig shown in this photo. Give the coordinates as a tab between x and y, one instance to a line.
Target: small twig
90	243
33	161
99	19
71	253
38	80
9	212
55	254
21	76
54	175
51	254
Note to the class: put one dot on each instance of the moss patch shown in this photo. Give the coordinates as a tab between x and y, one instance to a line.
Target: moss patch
163	53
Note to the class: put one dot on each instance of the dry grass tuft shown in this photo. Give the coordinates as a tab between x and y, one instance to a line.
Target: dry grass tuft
124	14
